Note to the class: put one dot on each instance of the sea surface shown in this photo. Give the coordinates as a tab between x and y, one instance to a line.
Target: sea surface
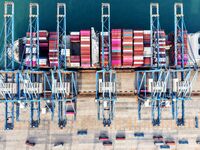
83	14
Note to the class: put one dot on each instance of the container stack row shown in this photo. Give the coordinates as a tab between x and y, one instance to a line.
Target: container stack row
28	49
106	50
94	48
127	47
161	54
65	53
44	48
53	49
138	60
185	57
68	53
85	39
75	49
170	41
116	47
147	48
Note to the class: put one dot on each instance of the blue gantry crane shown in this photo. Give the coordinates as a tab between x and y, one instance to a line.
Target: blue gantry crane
31	78
14	83
29	85
152	83
106	95
8	75
64	82
31	89
185	69
155	85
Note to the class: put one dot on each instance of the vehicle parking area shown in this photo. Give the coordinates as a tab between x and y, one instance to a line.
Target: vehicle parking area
86	133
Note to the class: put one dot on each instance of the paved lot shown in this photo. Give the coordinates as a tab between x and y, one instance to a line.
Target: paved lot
125	121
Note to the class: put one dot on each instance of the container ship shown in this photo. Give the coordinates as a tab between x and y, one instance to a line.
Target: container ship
129	49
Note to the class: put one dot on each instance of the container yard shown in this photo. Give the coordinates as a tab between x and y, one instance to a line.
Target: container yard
108	88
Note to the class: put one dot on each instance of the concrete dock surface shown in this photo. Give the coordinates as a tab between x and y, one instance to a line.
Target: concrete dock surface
125	122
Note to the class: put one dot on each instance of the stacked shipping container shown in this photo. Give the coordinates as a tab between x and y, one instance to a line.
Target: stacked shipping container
116	47
127	47
170	40
75	49
53	49
147	48
162	52
85	48
94	48
28	49
67	50
138	48
44	48
185	57
106	50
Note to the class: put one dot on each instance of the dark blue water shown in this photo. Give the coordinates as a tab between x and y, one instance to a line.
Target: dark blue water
83	14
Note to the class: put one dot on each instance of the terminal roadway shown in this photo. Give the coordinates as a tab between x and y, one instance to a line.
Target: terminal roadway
125	121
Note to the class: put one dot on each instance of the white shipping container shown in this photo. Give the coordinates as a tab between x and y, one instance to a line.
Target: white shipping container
138	37
53	50
94	47
138	43
138	63
147	48
74	33
194	45
128	51
84	38
75	64
138	57
67	52
162	42
85	45
162	39
53	58
124	43
42	38
28	50
42	61
147	52
105	53
147	31
159	53
28	39
105	33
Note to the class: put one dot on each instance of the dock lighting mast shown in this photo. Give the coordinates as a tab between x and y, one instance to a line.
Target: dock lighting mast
152	84
8	76
64	82
106	77
182	88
